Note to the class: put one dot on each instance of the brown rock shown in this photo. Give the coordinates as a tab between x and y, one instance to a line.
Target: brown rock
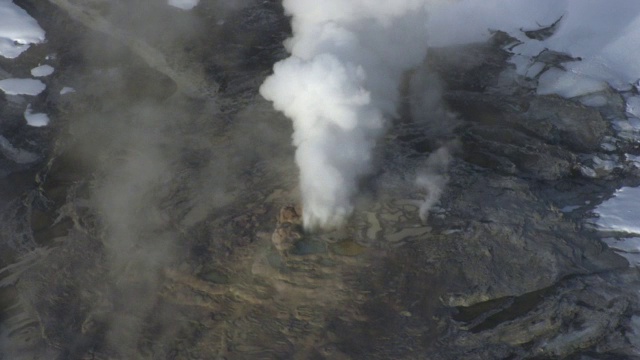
289	229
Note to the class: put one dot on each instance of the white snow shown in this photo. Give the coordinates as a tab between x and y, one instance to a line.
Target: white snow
42	70
605	34
631	125
631	244
588	172
621	213
633	159
629	248
606	164
567	84
67	90
633	106
22	86
17	30
608	147
35	119
594	100
183	4
534	70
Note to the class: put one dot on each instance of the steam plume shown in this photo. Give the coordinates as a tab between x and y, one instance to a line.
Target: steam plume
339	86
432	179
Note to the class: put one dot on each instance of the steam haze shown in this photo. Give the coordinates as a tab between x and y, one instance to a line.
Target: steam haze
340	88
304	179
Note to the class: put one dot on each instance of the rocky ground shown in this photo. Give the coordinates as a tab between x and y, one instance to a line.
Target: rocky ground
156	218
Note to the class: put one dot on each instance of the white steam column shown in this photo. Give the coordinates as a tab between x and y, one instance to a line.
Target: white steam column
338	87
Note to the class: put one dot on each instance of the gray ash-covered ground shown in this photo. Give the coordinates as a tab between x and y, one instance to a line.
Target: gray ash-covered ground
144	226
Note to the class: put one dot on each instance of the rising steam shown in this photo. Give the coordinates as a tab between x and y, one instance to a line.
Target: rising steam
432	178
339	86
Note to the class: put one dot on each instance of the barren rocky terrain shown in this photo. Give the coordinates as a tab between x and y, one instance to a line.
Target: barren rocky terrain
157	217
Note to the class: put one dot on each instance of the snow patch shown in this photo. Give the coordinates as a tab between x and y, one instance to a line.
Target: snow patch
18	30
183	4
534	70
621	213
42	70
633	159
67	90
631	244
35	119
22	86
631	125
594	100
633	106
629	248
606	38
567	84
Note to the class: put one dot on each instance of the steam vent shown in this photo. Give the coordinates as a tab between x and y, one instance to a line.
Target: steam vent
303	179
